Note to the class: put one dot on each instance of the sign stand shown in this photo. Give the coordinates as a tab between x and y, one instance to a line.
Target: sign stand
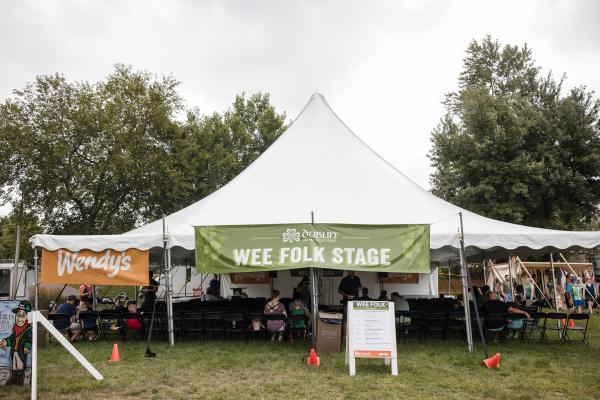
371	333
34	317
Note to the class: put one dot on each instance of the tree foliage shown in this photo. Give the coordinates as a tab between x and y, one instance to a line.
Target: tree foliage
102	158
8	236
224	144
513	147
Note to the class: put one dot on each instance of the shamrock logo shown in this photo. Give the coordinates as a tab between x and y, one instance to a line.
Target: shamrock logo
291	235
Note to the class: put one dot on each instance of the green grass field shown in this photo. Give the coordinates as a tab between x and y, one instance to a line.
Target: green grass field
265	370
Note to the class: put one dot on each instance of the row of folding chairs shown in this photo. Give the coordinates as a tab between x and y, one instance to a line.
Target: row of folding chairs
217	324
542	326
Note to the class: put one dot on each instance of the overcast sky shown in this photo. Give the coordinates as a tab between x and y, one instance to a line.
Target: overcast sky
383	66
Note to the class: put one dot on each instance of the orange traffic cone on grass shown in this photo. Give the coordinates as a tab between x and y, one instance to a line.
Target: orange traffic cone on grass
312	358
563	322
493	362
571	323
114	357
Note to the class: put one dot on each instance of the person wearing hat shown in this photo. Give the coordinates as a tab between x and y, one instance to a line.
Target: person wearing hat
19	341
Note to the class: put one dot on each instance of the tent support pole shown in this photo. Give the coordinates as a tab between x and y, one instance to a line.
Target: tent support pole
467	301
37	278
467	307
483	268
553	281
168	289
578	277
449	279
314	291
510	276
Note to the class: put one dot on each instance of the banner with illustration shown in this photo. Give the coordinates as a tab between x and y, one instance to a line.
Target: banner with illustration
380	248
15	342
108	267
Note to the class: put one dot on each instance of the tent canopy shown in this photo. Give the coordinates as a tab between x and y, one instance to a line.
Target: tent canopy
318	164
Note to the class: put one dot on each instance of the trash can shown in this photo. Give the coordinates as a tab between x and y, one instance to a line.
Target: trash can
329	332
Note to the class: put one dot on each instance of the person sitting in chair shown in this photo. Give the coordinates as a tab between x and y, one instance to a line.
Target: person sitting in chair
298	308
495	306
274	307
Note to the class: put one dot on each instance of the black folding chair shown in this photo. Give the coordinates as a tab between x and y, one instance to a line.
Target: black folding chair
533	328
577	325
436	323
555	322
276	317
61	322
89	322
127	329
156	325
297	326
214	324
109	322
235	323
193	324
514	325
456	323
256	320
496	325
415	323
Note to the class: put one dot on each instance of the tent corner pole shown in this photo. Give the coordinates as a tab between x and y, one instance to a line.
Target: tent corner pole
314	296
463	273
168	291
467	301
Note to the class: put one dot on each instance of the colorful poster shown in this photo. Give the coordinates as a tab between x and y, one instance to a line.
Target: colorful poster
382	248
15	342
108	267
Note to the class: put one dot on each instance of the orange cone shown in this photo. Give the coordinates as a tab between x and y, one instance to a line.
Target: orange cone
313	359
114	357
493	362
571	323
563	322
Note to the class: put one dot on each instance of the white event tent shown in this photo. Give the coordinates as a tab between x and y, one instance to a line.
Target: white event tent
319	165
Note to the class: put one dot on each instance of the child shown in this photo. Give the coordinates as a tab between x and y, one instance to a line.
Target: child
132	321
578	288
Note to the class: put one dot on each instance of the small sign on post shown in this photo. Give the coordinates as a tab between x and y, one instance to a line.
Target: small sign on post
371	333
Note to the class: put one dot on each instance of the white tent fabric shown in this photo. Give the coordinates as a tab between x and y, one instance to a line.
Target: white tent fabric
318	164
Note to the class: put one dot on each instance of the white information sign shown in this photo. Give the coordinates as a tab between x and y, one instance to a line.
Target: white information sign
371	333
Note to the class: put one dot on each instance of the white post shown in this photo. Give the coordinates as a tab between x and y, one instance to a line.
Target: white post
34	356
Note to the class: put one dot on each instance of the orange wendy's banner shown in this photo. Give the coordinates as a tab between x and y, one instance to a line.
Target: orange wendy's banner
107	267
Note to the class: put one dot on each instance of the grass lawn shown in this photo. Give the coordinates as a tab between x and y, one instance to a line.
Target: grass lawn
236	370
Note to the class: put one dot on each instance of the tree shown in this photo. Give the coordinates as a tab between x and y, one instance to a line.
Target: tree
223	145
92	158
102	158
513	147
8	235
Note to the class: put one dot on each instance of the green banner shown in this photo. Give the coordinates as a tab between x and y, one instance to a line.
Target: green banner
250	248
